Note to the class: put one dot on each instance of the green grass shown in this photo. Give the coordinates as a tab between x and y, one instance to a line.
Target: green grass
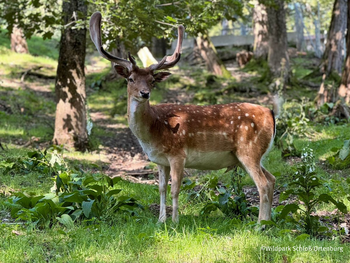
36	45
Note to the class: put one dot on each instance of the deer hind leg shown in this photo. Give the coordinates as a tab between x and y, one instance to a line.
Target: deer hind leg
265	183
176	172
164	173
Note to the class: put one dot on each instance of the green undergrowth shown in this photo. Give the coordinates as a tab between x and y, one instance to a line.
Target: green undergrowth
139	238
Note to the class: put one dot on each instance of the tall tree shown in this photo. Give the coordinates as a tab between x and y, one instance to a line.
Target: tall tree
332	59
18	41
332	56
208	53
44	17
278	58
299	26
261	45
344	89
71	119
318	52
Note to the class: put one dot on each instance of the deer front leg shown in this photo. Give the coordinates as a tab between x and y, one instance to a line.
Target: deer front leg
164	172
176	171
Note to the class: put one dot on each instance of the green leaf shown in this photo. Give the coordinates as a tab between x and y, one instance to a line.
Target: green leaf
289	208
75	196
66	220
302	237
113	192
76	214
284	231
88	180
285	194
97	187
208	208
267	222
327	198
87	206
224	198
344	152
170	19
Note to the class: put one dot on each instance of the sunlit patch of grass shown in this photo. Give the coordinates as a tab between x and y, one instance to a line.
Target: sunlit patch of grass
13	64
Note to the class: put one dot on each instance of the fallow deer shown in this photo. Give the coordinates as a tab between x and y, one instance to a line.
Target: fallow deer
189	136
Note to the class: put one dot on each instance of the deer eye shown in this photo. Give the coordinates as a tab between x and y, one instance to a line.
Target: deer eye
131	80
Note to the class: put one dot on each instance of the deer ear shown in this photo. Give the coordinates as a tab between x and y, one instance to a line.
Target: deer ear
122	71
161	76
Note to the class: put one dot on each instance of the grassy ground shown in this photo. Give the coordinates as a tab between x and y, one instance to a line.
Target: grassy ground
124	238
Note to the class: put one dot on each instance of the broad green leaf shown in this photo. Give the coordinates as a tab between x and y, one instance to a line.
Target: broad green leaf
76	214
344	152
75	196
88	180
284	231
66	220
97	187
170	19
302	237
113	192
87	205
208	208
327	198
285	194
267	222
289	208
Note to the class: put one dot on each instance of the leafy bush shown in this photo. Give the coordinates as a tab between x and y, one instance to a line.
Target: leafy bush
221	199
290	124
35	161
341	157
306	186
75	196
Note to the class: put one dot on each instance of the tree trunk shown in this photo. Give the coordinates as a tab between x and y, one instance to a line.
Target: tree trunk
120	52
278	58
18	41
225	27
344	89
332	57
208	53
318	52
299	26
71	117
158	48
261	38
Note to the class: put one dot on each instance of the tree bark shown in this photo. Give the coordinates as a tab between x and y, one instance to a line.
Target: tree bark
18	41
71	117
261	38
278	58
332	59
318	52
118	51
212	61
299	26
344	89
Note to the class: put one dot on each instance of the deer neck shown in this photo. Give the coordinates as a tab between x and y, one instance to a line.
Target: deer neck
140	118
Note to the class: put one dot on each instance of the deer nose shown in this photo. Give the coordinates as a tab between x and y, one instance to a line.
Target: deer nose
144	94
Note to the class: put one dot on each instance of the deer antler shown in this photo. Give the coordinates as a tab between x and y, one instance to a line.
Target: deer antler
170	61
95	33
